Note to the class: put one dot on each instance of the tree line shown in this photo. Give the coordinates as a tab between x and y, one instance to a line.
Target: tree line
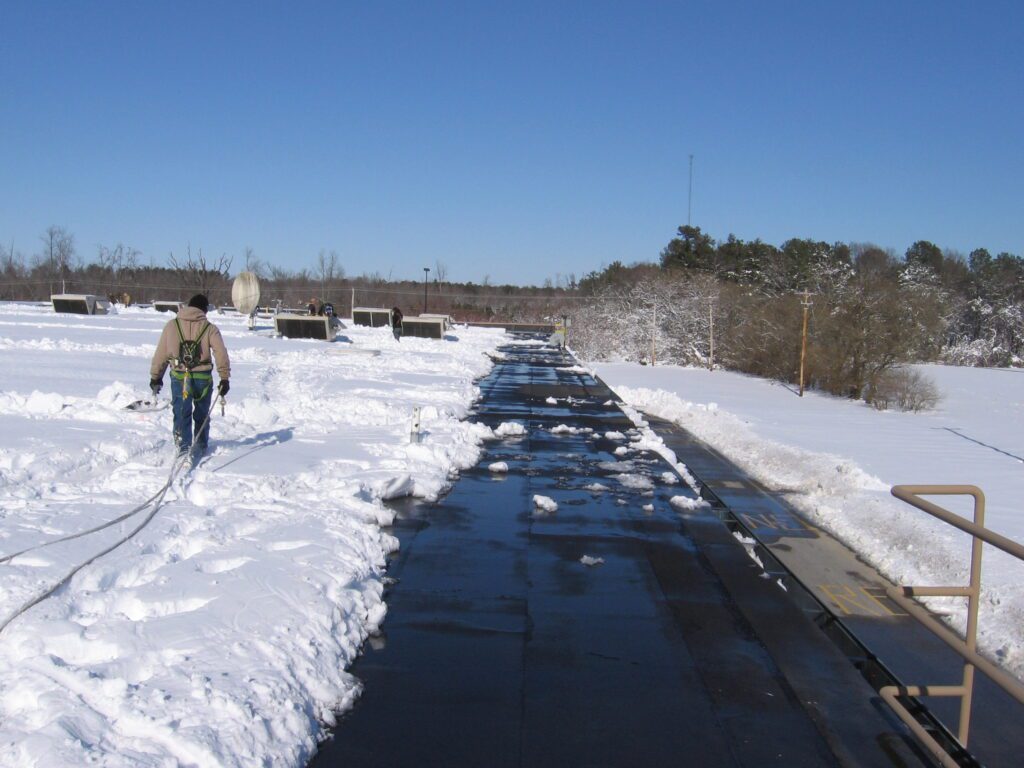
732	303
123	274
870	310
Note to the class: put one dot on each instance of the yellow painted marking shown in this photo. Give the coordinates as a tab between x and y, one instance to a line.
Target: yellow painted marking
856	601
761	521
882	599
769	520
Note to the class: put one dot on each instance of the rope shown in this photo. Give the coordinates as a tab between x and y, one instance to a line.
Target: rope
156	500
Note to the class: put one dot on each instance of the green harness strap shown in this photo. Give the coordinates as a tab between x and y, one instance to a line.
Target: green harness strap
188	371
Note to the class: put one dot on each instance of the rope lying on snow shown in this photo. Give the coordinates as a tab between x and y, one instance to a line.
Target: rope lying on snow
156	500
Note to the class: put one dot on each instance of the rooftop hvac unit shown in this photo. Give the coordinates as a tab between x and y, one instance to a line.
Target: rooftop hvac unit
448	322
295	326
79	304
374	317
424	327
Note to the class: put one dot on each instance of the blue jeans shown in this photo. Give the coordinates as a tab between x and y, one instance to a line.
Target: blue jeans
191	410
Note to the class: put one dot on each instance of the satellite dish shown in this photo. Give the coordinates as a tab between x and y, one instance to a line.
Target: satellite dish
245	293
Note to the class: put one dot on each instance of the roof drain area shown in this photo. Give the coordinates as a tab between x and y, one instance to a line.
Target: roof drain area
615	626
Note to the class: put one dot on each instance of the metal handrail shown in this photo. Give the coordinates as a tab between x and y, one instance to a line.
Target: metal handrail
966	647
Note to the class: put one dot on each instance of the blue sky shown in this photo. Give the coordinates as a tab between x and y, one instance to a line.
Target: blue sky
517	141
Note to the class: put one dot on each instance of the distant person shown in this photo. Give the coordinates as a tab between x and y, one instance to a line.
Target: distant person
186	344
316	307
396	323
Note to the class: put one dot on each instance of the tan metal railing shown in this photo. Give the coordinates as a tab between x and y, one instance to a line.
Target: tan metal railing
966	646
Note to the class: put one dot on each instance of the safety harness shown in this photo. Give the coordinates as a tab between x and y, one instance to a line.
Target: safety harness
190	355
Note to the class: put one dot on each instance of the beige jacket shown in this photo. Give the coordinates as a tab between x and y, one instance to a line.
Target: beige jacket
192	322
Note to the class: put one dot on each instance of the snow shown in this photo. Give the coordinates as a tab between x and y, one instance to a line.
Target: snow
221	632
591	561
836	460
498	466
510	429
565	429
545	503
687	503
635	481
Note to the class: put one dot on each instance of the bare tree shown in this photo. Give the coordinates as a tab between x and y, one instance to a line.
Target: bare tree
59	250
329	268
120	258
10	262
252	264
198	274
12	268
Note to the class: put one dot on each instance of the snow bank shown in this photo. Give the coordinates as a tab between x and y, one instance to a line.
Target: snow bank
220	634
835	460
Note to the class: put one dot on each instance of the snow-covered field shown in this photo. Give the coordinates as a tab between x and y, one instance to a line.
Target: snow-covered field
836	460
220	633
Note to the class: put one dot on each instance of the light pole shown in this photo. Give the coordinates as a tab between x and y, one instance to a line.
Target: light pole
711	336
689	198
806	304
426	272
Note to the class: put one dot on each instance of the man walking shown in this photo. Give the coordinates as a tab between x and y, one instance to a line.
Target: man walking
396	323
186	344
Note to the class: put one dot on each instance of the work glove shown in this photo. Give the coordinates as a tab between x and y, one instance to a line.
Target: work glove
156	385
223	387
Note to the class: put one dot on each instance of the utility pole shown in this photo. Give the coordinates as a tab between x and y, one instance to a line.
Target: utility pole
689	198
426	271
654	332
353	301
806	304
711	336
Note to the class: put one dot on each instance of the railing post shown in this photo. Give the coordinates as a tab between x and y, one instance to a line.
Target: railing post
966	647
971	635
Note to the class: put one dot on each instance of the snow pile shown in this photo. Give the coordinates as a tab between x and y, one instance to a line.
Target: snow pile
498	466
220	633
590	562
836	459
565	429
510	429
634	481
687	503
545	503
